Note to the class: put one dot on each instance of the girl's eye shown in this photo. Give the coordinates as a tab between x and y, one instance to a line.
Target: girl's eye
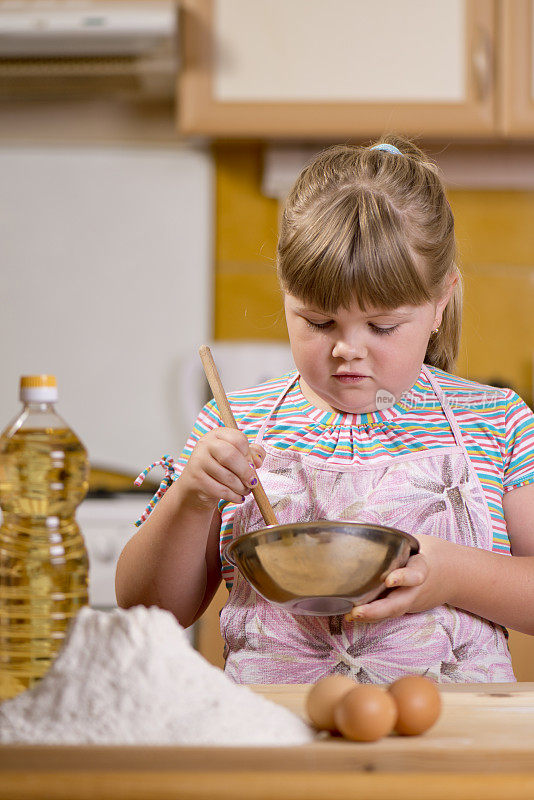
320	325
383	331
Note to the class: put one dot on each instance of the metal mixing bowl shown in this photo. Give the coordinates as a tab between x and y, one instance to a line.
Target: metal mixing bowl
320	568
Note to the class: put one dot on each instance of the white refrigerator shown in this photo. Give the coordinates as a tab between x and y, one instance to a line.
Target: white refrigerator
105	281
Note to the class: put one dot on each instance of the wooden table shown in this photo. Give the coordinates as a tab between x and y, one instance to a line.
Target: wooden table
482	748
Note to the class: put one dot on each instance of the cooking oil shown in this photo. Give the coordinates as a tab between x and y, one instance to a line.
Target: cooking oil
43	560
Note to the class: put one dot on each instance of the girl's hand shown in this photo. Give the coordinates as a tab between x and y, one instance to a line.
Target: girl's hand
424	583
221	467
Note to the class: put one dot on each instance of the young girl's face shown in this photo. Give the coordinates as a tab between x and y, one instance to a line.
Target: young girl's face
346	358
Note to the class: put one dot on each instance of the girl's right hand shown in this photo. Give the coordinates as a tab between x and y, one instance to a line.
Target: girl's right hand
221	467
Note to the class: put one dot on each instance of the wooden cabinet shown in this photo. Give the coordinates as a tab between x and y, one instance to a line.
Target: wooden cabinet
311	69
517	67
522	650
342	68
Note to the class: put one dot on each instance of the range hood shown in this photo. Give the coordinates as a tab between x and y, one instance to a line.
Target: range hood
68	28
75	45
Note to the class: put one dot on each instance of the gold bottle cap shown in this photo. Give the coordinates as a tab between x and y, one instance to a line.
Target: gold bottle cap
27	381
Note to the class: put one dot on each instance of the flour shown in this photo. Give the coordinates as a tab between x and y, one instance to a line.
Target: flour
132	677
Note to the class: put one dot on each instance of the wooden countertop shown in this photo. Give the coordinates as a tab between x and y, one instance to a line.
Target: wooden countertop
482	747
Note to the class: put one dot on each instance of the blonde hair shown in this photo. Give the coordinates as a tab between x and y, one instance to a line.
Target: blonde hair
374	226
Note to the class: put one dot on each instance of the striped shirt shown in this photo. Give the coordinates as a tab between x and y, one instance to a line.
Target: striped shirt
496	425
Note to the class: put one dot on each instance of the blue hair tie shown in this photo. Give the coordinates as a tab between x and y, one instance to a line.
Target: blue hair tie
390	148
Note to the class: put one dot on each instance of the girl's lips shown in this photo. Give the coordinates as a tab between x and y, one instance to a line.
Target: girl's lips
350	377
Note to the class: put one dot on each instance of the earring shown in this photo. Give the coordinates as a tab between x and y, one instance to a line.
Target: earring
436	330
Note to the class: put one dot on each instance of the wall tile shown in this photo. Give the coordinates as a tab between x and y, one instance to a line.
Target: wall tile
246	221
249	306
498	326
494	227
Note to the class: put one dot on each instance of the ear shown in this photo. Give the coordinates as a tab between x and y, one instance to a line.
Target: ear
441	304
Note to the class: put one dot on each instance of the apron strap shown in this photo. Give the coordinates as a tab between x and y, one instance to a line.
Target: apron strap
277	402
453	422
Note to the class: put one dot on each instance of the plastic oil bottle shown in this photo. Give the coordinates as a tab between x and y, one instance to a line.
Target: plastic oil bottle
43	561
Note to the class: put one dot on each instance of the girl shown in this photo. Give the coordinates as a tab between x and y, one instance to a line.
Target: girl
371	427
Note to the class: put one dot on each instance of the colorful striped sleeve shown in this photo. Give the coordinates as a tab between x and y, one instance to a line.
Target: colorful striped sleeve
519	433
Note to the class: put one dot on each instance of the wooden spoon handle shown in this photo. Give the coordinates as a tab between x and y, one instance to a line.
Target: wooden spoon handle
228	418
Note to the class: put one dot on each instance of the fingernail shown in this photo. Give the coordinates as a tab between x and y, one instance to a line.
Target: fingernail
242	499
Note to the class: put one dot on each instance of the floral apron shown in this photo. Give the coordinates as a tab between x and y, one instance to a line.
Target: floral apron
436	492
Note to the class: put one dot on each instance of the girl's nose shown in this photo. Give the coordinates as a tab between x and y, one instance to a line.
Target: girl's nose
348	351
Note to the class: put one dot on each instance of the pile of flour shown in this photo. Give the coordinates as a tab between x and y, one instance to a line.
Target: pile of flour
132	677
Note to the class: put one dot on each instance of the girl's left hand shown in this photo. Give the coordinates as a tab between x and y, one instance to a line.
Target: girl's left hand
424	583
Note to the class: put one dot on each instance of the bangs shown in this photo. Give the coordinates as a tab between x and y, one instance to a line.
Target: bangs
352	247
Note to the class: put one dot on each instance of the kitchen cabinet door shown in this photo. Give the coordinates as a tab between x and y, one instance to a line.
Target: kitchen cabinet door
314	69
516	68
522	650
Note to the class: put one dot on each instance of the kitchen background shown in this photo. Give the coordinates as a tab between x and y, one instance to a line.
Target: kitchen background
140	194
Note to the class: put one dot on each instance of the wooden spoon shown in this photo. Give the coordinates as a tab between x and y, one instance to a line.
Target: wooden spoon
228	418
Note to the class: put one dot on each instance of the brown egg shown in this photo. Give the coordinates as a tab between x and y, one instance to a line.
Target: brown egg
322	698
365	713
418	704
